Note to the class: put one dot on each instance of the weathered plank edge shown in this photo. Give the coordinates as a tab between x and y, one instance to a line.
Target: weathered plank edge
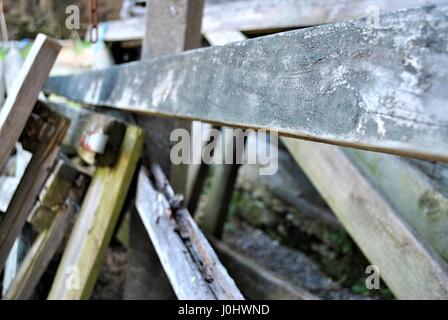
166	103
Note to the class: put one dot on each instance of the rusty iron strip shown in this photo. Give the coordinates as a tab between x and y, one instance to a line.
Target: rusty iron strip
186	230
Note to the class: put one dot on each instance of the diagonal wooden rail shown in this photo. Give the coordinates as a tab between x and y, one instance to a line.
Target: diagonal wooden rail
347	84
23	94
189	261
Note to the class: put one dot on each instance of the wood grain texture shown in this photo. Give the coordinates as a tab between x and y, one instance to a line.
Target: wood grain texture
415	197
413	194
88	242
189	261
377	89
262	15
411	268
171	26
23	95
36	173
219	197
40	254
53	195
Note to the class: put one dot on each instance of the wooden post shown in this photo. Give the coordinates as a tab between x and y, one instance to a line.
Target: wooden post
172	26
297	82
87	246
23	95
44	136
51	216
412	195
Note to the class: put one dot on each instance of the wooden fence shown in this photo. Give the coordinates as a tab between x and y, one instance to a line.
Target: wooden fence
375	83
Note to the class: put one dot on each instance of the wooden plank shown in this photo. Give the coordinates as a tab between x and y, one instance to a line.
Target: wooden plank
224	176
23	95
182	248
40	255
413	195
11	66
277	14
47	139
52	215
255	281
342	84
171	27
266	15
15	258
8	183
51	199
88	242
199	170
411	268
221	190
221	38
53	195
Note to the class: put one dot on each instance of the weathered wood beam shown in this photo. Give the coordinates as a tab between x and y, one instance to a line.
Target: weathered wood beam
346	84
223	182
8	183
413	194
410	267
259	15
88	242
53	195
182	248
225	177
11	66
255	281
40	254
46	133
23	95
265	15
170	27
221	38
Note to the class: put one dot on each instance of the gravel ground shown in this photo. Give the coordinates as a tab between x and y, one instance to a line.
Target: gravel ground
291	264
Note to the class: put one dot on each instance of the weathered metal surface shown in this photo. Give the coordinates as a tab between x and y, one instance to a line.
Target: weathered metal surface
348	83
